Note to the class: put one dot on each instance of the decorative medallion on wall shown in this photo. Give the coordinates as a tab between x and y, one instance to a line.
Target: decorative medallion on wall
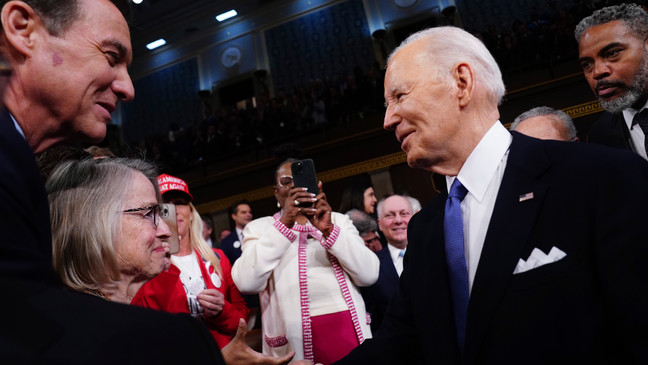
404	3
231	57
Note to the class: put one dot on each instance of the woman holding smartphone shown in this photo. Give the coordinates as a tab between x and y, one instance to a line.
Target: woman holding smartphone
306	262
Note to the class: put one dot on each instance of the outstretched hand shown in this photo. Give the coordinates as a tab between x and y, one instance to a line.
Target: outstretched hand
237	352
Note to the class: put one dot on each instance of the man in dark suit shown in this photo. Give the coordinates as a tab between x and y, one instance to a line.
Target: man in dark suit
394	213
69	63
241	215
612	50
532	257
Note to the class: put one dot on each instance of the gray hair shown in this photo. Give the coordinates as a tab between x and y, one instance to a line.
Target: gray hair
566	120
84	198
453	45
363	222
58	15
381	204
633	16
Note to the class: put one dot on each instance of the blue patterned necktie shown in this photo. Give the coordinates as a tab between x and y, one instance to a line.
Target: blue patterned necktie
455	257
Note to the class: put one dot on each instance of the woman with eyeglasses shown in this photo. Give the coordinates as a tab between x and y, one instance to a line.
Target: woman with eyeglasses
199	281
109	242
306	262
107	236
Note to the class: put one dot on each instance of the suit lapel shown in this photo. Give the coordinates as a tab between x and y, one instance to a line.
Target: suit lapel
622	127
511	223
426	260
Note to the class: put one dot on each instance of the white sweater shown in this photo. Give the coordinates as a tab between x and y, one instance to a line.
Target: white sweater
270	265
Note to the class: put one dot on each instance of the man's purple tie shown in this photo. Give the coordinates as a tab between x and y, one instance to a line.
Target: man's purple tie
455	257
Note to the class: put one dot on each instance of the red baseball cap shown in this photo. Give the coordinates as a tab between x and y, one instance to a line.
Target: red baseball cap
169	183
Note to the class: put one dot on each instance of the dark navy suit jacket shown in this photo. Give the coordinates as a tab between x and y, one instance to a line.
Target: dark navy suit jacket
42	323
610	130
587	308
378	295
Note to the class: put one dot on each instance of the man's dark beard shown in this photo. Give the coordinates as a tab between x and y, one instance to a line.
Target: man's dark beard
634	92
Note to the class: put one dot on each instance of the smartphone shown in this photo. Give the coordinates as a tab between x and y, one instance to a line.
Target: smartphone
168	214
304	176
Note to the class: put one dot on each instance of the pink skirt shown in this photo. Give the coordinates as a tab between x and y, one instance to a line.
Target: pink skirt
333	337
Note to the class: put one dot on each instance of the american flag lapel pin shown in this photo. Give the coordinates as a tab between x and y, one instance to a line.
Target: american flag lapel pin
527	196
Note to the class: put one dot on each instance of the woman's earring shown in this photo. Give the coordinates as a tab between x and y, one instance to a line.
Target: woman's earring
278	205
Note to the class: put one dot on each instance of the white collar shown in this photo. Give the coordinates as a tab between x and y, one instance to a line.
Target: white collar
394	251
479	169
629	114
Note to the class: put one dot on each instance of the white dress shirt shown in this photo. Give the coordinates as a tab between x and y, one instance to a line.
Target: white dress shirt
636	133
397	258
482	175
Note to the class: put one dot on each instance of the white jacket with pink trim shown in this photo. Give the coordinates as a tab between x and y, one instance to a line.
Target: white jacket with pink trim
299	275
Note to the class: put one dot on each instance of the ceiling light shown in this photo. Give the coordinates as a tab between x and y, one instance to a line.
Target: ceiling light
137	1
155	44
226	15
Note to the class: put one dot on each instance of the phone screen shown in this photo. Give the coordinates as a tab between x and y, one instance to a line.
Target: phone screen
168	214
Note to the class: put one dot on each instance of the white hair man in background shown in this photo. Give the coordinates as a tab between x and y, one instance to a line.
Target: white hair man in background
544	122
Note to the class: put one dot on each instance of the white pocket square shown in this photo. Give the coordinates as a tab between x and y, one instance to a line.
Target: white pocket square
539	258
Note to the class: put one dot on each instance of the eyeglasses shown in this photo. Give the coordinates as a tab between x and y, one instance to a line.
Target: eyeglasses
153	213
284	180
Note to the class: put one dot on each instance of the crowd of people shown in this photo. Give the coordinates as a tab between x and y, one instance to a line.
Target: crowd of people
329	102
527	254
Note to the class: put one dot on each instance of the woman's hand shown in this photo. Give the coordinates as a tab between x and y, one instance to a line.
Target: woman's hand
320	214
290	207
212	302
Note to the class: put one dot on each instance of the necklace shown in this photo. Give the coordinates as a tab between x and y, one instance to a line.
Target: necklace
97	293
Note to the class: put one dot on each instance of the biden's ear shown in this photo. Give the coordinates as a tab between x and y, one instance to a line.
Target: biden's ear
465	82
19	22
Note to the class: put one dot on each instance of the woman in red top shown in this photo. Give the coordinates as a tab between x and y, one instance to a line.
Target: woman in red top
198	281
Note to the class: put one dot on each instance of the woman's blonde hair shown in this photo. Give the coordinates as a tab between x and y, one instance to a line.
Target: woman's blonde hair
198	243
85	200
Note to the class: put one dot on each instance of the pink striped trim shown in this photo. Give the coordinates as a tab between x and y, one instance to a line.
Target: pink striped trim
339	274
308	228
284	230
332	238
276	341
307	330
